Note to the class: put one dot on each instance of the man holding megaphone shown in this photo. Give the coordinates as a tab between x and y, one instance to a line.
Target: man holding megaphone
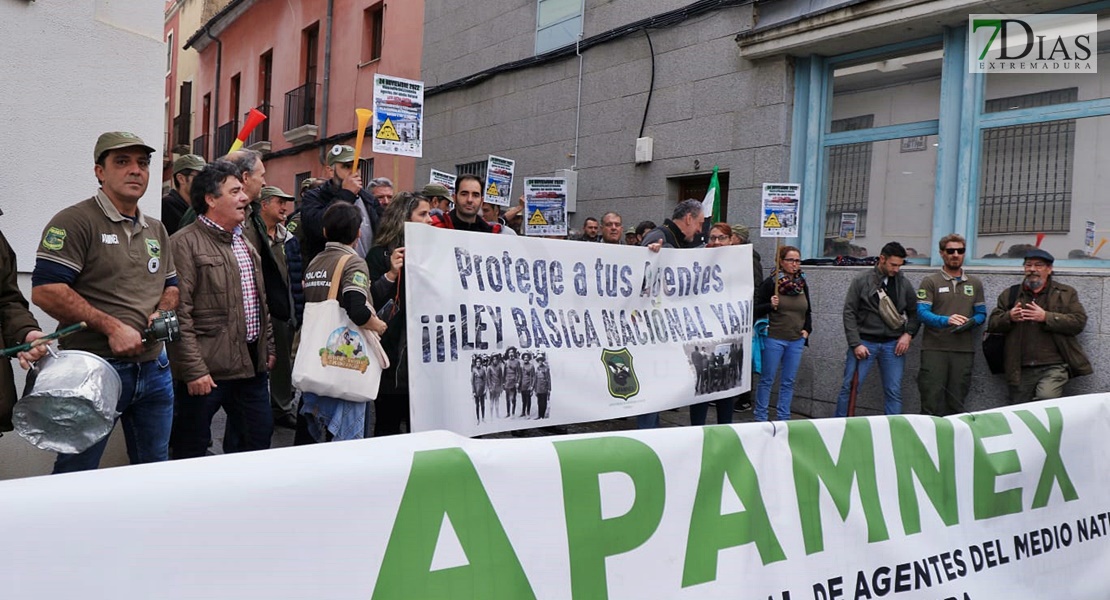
345	185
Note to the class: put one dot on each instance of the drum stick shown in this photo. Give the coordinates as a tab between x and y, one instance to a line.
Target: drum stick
46	339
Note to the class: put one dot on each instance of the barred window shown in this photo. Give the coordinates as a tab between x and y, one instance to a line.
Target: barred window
849	177
366	171
477	167
1026	171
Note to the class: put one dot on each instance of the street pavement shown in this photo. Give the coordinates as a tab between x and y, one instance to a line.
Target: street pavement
670	418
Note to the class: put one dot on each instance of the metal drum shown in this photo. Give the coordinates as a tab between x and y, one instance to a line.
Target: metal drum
69	402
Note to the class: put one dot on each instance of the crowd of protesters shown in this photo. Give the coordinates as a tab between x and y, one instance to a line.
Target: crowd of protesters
238	260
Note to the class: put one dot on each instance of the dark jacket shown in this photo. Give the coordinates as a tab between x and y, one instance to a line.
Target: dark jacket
211	312
279	297
395	340
296	275
315	202
670	234
861	307
16	321
174	207
763	305
1065	319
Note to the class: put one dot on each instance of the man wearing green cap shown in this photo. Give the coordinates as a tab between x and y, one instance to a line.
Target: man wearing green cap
176	201
274	206
439	198
345	185
102	261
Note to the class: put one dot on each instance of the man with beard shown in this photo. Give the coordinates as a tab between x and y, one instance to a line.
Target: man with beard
344	185
876	333
950	304
468	205
1040	320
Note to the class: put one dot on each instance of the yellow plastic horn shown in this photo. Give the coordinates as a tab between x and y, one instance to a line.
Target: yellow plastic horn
363	115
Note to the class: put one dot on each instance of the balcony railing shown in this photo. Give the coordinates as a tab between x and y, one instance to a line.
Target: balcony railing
300	106
180	131
262	132
200	146
225	135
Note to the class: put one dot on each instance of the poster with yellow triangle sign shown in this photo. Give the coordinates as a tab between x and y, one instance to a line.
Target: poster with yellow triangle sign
388	131
537	218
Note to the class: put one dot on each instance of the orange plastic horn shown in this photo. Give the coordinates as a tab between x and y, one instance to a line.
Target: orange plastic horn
363	115
253	119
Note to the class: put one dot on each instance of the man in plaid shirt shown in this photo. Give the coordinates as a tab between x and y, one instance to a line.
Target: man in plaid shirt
226	348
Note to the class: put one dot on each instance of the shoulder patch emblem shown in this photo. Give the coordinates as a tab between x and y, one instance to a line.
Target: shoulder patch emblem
360	279
54	238
153	248
969	290
921	294
291	226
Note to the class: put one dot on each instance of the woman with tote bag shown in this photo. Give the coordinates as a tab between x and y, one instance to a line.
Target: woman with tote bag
340	361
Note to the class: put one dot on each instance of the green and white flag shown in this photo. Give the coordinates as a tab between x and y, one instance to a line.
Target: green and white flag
711	205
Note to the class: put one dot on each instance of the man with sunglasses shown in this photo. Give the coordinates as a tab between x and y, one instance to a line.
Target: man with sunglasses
951	305
1041	319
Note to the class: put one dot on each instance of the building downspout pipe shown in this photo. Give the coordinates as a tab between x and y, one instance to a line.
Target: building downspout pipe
578	112
216	88
327	80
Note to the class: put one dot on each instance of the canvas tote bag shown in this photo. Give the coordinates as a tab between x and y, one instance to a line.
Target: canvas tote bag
336	357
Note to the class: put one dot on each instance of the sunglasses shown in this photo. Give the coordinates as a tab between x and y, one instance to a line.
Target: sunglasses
955	250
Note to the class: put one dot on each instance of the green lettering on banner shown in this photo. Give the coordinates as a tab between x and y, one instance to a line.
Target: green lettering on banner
1053	469
710	531
590	538
912	459
856	462
989	466
445	482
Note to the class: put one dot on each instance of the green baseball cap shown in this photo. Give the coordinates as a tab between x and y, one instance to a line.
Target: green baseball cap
435	190
188	162
273	191
114	140
341	153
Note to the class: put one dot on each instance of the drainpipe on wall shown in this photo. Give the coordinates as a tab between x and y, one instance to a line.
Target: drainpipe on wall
216	90
327	81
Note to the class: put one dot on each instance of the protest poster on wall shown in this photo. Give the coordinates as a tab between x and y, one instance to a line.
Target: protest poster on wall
398	116
780	209
1009	503
447	180
511	332
499	180
545	206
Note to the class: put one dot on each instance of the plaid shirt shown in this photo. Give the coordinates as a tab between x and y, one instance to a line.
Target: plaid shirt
246	278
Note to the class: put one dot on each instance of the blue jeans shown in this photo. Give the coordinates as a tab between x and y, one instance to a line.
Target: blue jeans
146	409
647	420
890	368
247	404
778	353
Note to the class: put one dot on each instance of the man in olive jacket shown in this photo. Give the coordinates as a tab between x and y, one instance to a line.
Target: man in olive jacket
226	347
1040	322
17	326
871	339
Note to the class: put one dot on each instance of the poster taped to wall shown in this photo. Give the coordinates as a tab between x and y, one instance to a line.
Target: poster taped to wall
447	180
510	332
499	180
781	202
398	116
545	206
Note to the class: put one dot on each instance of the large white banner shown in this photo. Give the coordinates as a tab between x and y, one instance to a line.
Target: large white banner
1008	504
510	333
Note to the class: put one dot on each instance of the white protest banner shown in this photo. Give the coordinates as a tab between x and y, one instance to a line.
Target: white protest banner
499	180
510	332
545	206
1005	504
780	209
398	116
447	180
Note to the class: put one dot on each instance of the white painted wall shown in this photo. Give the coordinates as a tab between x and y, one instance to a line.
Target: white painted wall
70	71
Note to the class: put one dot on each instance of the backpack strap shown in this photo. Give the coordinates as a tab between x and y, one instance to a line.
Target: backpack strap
1014	291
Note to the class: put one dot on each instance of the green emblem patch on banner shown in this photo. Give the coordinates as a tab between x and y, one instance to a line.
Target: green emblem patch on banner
622	375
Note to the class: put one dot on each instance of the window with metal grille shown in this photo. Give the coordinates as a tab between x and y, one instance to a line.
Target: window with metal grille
849	178
477	167
1025	175
366	170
